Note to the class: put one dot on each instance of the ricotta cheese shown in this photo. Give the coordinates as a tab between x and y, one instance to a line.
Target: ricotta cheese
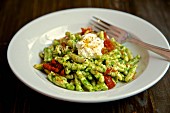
90	46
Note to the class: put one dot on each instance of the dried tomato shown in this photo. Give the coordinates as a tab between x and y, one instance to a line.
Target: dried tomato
104	50
53	62
86	30
105	35
62	72
108	44
54	69
109	82
54	66
59	66
108	71
47	66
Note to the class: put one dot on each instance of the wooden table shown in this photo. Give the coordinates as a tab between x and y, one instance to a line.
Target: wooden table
15	97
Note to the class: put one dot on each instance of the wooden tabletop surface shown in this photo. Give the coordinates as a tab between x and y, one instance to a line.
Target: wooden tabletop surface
15	97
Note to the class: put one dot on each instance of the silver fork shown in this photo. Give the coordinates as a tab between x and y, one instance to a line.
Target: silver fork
122	36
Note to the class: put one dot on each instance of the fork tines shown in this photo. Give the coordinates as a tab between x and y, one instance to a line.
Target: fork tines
101	21
99	24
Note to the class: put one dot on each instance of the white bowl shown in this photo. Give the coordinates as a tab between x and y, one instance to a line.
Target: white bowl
32	38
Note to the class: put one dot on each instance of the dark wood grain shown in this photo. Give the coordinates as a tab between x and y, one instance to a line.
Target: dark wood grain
15	97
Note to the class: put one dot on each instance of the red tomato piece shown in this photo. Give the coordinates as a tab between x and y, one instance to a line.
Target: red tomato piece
62	73
47	66
53	62
56	70
104	50
59	66
86	30
108	71
53	66
108	44
105	35
109	82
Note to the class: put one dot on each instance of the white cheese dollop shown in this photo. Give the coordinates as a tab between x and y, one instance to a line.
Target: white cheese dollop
90	46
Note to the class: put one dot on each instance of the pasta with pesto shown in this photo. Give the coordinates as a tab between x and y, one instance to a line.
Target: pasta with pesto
87	61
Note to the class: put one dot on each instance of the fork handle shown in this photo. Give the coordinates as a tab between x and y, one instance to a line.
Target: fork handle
161	51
